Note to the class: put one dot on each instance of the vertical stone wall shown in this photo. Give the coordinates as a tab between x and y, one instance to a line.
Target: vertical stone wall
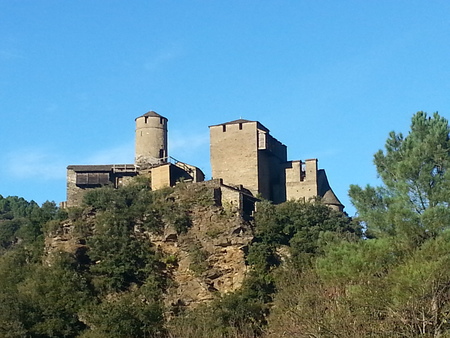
277	148
151	139
234	154
231	199
160	176
301	185
74	193
293	171
246	154
242	153
271	161
94	176
264	174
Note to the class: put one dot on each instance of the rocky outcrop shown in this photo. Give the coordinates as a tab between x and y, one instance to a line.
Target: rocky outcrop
207	260
204	262
66	237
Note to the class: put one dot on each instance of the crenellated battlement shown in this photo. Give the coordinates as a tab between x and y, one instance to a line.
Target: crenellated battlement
245	158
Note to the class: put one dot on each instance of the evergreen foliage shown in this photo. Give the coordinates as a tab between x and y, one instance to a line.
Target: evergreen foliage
394	283
115	288
313	272
304	227
413	202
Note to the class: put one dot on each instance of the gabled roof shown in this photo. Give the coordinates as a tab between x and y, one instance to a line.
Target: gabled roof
151	113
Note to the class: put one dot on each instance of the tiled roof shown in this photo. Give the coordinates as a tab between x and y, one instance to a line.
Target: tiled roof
260	126
152	114
325	191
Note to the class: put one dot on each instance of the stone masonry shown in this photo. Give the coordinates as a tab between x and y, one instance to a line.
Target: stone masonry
243	155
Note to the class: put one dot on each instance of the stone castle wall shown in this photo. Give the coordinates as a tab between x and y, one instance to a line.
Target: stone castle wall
271	158
82	178
74	193
301	179
151	139
242	153
234	154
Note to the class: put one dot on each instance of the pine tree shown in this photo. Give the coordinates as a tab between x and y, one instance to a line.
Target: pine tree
413	201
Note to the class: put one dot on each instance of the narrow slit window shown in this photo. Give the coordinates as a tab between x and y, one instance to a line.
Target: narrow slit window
240	126
146	119
160	120
224	127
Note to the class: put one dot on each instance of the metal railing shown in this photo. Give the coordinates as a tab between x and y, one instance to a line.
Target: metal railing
127	168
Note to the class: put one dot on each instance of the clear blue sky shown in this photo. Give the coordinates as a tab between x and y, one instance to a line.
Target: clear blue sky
330	79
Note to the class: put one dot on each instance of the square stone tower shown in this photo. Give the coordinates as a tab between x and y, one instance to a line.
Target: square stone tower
244	153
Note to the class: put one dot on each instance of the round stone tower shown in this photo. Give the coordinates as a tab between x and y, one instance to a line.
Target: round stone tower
151	140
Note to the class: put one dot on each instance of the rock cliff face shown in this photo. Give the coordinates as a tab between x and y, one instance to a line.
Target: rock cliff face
207	260
66	238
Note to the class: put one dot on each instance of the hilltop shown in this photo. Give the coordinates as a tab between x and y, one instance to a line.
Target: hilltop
135	262
182	262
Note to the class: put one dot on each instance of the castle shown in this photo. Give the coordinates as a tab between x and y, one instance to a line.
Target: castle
247	163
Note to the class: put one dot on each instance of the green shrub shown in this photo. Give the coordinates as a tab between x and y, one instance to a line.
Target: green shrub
199	256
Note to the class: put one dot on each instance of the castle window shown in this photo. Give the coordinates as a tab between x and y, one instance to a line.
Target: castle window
92	179
240	126
146	119
224	127
161	153
262	140
160	120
